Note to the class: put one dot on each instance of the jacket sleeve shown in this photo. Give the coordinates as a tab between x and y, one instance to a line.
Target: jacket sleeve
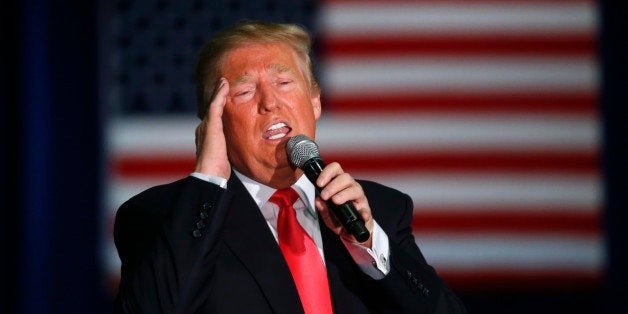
167	238
412	285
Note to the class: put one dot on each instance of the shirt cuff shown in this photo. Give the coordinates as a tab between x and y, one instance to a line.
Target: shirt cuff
374	261
221	182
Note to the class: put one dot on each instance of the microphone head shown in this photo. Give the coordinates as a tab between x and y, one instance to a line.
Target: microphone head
300	149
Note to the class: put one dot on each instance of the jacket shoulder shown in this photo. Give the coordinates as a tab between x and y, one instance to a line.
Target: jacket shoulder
156	193
381	194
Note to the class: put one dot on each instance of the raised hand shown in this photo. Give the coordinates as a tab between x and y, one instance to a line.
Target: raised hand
211	148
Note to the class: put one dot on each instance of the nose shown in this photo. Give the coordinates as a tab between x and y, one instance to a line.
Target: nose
268	99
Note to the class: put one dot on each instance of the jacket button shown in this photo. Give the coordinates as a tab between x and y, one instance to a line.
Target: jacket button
197	233
200	224
207	206
409	274
204	214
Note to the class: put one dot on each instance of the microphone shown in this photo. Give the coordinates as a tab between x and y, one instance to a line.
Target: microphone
303	153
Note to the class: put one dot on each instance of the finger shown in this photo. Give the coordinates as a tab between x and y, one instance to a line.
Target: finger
211	126
220	99
335	226
366	214
329	172
355	195
341	188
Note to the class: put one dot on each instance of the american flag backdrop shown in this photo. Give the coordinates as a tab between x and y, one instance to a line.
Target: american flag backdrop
485	112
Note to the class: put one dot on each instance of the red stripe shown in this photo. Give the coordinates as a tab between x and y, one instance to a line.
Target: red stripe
461	102
511	44
555	162
550	162
500	220
153	166
482	280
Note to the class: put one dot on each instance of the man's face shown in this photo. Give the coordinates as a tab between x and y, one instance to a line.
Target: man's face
269	101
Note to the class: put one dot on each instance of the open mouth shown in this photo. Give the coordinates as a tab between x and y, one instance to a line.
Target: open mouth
277	131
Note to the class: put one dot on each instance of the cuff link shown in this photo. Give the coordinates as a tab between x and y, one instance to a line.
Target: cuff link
383	259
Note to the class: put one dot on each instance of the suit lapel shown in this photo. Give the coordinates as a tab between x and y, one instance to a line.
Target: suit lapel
246	233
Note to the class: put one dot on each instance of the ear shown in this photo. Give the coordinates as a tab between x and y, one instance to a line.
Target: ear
316	105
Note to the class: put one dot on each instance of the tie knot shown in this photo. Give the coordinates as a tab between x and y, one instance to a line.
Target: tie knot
284	197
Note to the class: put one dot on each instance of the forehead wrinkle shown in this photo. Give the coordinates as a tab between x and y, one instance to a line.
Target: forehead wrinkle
275	68
279	68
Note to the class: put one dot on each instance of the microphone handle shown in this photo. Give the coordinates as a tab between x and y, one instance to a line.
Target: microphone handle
346	213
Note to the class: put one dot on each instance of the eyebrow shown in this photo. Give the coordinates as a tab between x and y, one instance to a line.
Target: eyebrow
242	79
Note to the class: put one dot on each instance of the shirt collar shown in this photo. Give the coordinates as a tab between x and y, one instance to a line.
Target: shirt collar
261	193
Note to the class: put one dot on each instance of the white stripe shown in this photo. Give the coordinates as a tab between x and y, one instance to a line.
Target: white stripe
386	75
509	252
167	136
384	132
462	133
379	19
121	189
581	193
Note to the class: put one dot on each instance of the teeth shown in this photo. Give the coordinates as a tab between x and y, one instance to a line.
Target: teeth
276	136
277	126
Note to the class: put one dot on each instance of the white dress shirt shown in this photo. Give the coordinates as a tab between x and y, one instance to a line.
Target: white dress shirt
372	261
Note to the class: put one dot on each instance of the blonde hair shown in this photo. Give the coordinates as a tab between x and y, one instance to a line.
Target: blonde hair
241	34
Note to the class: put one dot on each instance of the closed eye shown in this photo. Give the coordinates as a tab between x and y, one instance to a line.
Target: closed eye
285	85
244	92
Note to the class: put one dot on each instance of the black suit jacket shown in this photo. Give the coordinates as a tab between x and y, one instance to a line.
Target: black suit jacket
193	247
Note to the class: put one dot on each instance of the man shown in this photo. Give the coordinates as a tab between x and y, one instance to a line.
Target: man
219	241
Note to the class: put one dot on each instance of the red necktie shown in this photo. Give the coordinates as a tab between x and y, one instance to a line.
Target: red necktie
302	256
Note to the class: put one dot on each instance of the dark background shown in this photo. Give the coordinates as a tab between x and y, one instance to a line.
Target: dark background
51	163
